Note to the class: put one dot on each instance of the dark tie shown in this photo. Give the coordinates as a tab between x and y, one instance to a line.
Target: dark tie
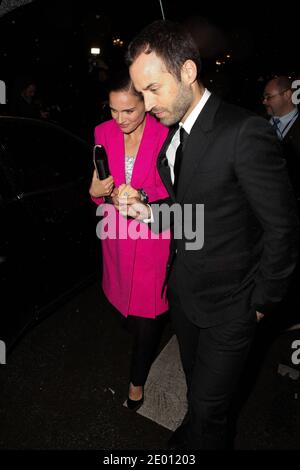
178	156
275	124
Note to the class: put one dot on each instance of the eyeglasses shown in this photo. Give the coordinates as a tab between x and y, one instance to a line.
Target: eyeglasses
269	97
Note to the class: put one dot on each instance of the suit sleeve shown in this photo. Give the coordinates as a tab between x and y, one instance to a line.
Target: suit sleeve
262	173
162	216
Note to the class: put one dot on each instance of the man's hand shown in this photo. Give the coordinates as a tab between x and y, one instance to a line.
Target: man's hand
115	198
139	211
133	207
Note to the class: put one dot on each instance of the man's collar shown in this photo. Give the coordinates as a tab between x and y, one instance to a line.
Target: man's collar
192	117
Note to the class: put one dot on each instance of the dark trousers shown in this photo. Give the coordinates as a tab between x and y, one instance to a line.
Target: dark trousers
146	337
212	359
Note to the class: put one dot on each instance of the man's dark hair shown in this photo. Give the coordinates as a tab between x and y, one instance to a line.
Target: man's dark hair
170	41
283	82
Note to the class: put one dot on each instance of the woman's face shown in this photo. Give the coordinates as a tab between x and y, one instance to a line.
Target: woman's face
127	109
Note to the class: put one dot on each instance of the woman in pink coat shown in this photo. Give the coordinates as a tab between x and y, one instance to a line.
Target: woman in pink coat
133	267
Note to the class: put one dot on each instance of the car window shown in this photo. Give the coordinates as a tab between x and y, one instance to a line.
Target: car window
44	155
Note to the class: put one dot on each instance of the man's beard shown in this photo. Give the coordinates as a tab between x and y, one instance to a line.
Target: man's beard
181	105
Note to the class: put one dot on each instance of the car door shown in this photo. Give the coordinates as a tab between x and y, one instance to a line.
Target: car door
16	310
51	171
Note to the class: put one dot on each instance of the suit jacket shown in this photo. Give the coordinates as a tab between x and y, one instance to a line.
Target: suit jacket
232	164
134	266
291	151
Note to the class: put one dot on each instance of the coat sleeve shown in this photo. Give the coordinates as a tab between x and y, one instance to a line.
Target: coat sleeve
261	171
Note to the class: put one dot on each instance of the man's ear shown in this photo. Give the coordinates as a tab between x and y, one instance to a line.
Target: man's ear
289	94
189	71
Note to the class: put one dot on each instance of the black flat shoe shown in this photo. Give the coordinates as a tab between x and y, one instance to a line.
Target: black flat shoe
134	404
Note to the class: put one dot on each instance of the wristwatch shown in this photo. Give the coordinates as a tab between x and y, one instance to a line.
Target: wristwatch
143	196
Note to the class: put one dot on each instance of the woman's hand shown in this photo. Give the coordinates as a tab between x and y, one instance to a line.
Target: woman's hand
114	197
126	195
101	188
127	191
129	203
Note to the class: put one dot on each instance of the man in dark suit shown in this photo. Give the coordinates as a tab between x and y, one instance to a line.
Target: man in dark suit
283	112
284	117
231	164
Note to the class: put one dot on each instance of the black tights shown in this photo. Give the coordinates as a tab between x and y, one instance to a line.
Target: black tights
146	337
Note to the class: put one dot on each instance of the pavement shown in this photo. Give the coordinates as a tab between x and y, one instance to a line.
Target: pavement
65	382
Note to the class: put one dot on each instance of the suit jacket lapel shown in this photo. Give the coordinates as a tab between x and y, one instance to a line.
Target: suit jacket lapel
162	162
197	144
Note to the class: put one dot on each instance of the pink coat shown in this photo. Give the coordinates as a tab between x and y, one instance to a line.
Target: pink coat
134	269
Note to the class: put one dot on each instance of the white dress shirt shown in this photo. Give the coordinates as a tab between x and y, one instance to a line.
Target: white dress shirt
284	123
187	125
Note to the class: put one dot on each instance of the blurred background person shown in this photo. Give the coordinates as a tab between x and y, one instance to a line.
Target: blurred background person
25	101
284	117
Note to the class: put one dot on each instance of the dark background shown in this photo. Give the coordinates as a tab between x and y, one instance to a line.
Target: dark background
51	41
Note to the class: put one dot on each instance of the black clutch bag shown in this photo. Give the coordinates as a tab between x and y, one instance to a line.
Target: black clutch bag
101	165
